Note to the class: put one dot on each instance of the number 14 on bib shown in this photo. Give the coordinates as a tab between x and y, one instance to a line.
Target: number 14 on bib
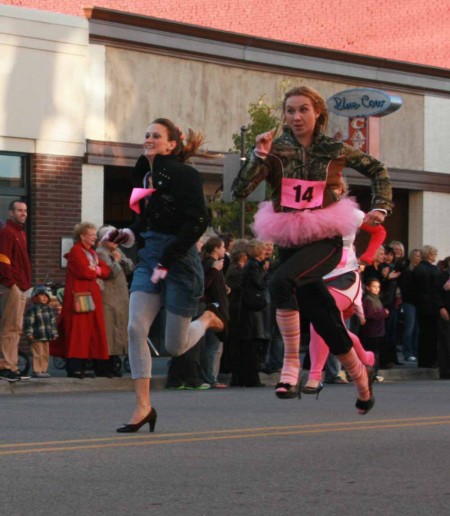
301	194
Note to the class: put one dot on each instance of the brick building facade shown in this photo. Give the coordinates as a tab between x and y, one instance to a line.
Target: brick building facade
79	86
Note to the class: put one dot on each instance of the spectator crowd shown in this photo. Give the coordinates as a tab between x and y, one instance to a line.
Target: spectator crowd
402	315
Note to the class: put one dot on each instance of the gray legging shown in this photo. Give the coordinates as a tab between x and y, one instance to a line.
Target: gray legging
181	332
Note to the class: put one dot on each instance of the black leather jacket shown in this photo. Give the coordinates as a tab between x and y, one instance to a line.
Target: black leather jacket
177	207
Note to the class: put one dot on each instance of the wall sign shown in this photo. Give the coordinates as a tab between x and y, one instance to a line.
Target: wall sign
359	133
363	102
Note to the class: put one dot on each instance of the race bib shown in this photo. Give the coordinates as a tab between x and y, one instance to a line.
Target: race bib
301	194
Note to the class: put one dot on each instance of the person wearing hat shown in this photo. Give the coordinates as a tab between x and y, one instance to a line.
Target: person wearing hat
40	328
115	299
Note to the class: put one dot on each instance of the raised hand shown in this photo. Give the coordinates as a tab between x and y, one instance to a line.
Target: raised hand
264	143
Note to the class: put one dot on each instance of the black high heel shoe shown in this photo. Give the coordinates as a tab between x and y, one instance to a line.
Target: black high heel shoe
313	390
150	418
287	391
363	406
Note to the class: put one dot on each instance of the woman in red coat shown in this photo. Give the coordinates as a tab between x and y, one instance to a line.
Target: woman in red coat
84	334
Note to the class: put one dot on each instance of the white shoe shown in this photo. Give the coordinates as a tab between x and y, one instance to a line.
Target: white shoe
379	379
412	358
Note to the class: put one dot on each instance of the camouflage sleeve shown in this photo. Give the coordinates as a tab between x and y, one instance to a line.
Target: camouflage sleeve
254	171
376	172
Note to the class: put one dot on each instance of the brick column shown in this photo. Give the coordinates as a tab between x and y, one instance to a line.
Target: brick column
55	208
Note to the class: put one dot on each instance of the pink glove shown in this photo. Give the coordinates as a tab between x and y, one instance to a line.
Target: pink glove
159	273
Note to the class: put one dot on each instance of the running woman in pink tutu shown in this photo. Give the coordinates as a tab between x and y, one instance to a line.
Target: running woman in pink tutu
307	219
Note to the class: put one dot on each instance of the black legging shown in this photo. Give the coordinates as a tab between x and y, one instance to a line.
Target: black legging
297	284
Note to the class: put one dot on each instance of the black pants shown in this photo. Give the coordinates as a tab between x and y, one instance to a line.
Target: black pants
185	369
248	375
373	344
297	284
79	365
428	336
444	348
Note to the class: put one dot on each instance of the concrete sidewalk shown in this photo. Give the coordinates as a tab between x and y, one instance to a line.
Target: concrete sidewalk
60	383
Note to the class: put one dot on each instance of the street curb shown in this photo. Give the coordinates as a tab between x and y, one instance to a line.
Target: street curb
124	384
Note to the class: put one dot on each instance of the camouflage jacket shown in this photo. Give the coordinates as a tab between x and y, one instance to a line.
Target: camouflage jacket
324	160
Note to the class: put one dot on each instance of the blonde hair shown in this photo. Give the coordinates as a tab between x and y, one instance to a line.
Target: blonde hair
81	228
398	244
427	250
255	248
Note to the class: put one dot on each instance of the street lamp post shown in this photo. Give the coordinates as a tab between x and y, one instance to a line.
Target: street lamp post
243	159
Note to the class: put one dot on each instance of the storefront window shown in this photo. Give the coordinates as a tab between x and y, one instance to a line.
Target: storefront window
11	171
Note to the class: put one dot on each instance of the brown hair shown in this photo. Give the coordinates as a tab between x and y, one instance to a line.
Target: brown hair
318	103
239	249
209	246
186	146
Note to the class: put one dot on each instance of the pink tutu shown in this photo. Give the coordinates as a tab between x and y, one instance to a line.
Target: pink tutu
297	228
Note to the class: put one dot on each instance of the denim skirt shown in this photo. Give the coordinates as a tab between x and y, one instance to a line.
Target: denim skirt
182	288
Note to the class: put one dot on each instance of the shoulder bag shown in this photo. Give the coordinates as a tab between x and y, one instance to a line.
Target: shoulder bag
83	302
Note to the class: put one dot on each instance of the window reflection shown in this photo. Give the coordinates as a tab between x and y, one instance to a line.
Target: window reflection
11	171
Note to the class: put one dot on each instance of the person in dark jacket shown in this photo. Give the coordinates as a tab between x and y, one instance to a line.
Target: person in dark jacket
375	314
213	253
424	277
172	217
442	289
410	335
254	333
234	281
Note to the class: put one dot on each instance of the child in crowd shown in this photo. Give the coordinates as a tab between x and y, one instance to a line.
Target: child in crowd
40	328
373	330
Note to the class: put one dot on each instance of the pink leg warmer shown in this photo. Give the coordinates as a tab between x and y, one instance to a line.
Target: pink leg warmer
289	324
318	353
357	372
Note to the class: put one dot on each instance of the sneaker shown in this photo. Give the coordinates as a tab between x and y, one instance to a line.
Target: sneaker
201	387
16	374
8	375
412	358
40	375
220	386
379	379
176	387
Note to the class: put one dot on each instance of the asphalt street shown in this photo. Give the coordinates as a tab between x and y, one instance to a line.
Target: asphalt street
234	451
